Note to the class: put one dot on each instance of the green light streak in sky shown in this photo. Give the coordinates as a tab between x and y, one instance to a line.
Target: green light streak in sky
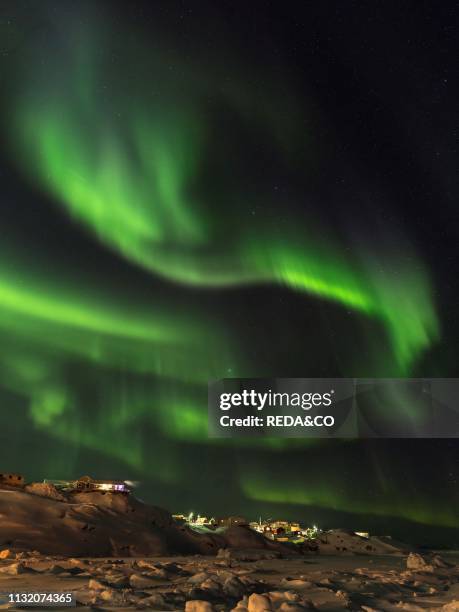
84	317
42	317
124	169
329	494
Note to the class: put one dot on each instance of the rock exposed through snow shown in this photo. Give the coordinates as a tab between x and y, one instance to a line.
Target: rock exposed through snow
200	584
96	524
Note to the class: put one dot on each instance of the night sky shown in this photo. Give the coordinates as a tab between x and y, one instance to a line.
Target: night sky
196	190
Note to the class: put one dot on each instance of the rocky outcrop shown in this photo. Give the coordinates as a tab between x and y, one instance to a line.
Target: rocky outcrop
107	525
347	542
417	562
45	489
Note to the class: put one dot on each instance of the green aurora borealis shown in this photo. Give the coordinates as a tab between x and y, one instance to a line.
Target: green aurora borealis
124	170
107	346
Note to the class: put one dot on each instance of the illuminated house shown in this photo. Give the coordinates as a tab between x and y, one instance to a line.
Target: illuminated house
280	527
86	483
194	520
180	518
284	531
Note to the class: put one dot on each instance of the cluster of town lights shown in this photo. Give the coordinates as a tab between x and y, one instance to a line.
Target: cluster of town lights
280	530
